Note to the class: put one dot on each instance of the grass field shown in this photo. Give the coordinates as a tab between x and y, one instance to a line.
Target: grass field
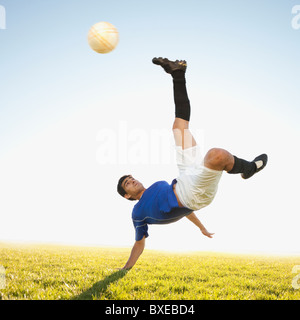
58	272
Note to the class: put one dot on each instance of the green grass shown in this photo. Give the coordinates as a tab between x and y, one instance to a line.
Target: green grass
57	272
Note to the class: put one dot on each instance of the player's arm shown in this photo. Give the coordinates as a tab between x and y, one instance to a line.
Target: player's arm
193	218
136	251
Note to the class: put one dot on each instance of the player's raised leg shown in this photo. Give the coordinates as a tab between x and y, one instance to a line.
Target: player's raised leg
177	69
216	158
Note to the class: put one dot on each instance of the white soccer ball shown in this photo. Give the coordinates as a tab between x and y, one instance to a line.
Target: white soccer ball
103	37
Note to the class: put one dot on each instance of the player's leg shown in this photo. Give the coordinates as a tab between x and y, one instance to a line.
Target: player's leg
216	158
220	159
182	134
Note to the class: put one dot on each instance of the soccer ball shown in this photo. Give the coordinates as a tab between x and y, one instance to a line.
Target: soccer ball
103	37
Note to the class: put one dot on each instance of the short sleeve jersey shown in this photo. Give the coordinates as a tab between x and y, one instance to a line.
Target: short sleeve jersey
158	205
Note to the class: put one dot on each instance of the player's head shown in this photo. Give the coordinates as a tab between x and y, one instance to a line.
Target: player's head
129	188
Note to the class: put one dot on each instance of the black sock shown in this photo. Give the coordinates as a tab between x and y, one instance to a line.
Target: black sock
243	166
182	103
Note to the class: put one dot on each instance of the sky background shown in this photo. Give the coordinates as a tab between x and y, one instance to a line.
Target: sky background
73	121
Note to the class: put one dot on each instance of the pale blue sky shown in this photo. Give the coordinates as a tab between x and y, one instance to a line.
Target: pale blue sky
44	57
56	94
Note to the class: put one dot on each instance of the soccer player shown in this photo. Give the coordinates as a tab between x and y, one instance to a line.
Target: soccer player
196	184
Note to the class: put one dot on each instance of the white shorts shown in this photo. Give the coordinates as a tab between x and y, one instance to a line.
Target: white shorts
196	185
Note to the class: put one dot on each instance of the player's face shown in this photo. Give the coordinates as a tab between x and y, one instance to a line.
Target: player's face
132	186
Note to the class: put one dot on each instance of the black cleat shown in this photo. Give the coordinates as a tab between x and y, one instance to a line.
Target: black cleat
170	66
260	162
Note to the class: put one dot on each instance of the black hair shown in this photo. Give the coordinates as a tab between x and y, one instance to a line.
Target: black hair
120	189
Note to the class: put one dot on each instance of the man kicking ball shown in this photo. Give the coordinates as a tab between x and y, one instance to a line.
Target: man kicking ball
197	182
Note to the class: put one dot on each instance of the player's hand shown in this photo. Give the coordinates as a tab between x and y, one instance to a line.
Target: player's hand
206	233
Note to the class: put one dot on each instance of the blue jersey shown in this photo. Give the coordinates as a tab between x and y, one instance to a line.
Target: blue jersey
158	205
